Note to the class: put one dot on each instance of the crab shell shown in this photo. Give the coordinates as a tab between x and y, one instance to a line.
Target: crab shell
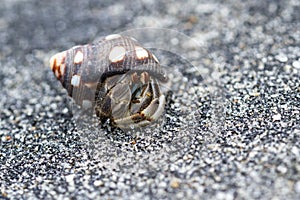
116	77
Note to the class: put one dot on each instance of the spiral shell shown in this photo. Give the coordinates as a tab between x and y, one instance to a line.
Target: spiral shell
116	77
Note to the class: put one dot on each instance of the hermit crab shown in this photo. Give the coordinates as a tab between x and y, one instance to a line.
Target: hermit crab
116	78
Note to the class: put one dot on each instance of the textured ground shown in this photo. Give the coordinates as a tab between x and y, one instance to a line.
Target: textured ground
231	134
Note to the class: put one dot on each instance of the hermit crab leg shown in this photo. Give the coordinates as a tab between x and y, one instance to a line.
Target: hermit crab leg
156	107
150	113
159	110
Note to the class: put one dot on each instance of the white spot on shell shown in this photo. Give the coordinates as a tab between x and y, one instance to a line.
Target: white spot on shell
78	58
113	36
141	53
75	81
117	54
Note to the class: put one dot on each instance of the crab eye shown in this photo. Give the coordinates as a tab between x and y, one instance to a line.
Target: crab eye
116	78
